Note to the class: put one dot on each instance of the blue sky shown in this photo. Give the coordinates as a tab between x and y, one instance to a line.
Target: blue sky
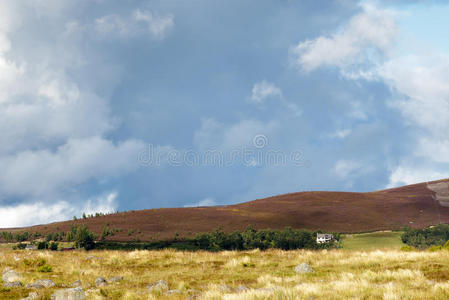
109	106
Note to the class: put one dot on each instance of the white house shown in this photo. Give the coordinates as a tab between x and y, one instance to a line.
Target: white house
324	237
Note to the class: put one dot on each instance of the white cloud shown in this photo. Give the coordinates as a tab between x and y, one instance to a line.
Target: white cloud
404	175
424	83
344	168
373	29
54	124
419	85
341	133
204	202
215	135
264	90
137	23
27	214
43	172
157	25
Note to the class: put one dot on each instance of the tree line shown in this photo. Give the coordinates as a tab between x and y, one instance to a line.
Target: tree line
217	240
424	238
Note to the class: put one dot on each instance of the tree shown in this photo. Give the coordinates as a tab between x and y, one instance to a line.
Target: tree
84	238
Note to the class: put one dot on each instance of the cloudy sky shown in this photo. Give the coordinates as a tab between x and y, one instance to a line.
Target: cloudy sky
119	105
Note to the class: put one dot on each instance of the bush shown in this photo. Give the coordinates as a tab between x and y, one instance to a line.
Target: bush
21	246
286	239
53	246
407	248
424	238
42	245
45	269
435	248
84	238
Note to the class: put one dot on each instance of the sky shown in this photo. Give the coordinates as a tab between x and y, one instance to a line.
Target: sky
119	105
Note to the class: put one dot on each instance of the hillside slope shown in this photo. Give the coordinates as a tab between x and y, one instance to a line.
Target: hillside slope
417	205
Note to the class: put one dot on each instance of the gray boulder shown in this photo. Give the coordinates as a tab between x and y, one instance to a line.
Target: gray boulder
171	292
303	268
12	284
40	284
158	285
31	296
69	294
34	286
225	288
116	279
10	276
100	281
241	288
76	284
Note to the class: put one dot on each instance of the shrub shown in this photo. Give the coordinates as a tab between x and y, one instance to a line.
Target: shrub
84	238
45	269
42	245
407	248
21	246
53	246
424	238
435	248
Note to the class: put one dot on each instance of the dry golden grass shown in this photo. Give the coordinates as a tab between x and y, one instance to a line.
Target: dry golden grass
339	274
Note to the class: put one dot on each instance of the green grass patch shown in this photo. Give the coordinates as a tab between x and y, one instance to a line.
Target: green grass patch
372	241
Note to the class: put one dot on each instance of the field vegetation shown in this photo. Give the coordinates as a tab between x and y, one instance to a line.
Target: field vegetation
372	241
337	274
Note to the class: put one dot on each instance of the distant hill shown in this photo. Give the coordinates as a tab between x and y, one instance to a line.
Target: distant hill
418	205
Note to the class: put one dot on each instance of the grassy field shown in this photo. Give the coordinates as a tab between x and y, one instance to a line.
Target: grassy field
372	241
338	274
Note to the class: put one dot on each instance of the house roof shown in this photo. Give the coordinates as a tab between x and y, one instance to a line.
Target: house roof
324	235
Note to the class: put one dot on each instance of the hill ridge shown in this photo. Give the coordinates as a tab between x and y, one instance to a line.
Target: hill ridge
414	205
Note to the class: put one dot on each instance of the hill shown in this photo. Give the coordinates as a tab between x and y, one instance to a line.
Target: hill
419	205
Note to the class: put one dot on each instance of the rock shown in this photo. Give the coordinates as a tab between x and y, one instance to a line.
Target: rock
158	285
12	284
68	294
266	290
11	276
303	268
31	296
241	288
41	283
91	257
76	284
6	270
171	292
100	281
116	279
225	288
34	286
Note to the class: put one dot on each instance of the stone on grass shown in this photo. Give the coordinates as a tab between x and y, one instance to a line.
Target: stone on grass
116	279
68	294
92	257
41	283
225	288
158	285
31	296
171	292
10	276
12	284
34	286
100	281
76	284
241	288
303	268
